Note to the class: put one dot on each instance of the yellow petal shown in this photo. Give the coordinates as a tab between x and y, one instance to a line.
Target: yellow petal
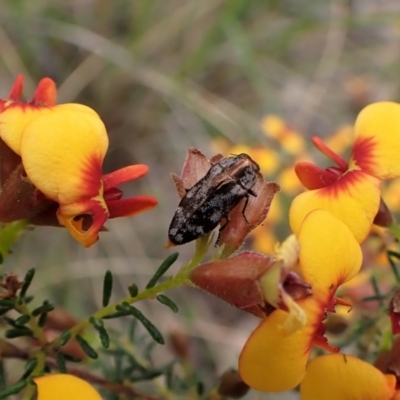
344	377
354	199
377	146
329	254
13	121
273	360
64	387
62	152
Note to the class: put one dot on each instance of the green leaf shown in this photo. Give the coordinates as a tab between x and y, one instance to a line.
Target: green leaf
29	367
7	303
153	331
71	358
107	288
65	336
42	319
104	338
60	360
97	323
14	333
27	281
22	320
99	326
13	389
168	302
117	314
133	290
162	269
11	322
89	350
44	308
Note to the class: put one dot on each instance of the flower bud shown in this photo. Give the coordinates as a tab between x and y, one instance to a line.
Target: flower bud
252	282
232	385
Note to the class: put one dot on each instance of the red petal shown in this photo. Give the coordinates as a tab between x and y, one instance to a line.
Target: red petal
314	177
46	93
324	149
16	89
131	206
112	194
123	175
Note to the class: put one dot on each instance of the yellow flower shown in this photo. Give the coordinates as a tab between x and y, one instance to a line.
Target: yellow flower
345	377
64	387
274	359
351	190
61	149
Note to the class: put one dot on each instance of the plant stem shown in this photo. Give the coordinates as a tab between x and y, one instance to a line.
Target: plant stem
31	388
178	280
38	332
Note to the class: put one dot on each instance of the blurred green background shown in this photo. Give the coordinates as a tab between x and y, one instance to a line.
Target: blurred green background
168	75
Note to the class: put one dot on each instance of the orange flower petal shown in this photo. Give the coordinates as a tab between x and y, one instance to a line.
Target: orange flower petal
272	360
64	387
130	206
377	146
17	87
344	377
123	175
329	254
62	152
46	93
354	199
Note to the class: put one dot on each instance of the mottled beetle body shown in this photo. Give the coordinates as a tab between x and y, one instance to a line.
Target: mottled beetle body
213	197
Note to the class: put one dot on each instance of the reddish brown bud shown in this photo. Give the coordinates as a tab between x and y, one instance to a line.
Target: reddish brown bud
179	343
194	168
394	312
231	385
256	211
59	320
235	280
336	324
252	282
383	217
389	361
9	161
11	284
19	199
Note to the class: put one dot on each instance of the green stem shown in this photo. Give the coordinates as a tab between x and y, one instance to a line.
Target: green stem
180	279
38	332
395	229
31	388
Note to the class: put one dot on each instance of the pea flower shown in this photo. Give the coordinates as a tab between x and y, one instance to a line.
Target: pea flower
274	358
51	159
64	387
352	190
345	377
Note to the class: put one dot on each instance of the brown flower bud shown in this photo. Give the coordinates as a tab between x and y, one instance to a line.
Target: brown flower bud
389	361
383	217
194	168
9	161
60	320
394	312
232	385
252	282
19	199
179	343
256	211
